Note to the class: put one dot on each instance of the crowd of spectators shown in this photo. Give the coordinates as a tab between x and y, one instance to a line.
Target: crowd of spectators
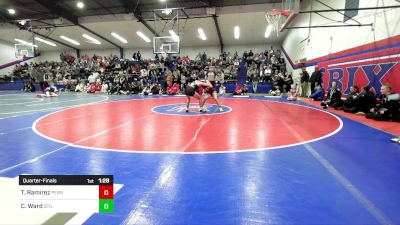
387	108
362	102
126	76
169	75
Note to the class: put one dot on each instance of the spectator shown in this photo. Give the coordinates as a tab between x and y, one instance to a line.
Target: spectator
288	82
156	88
244	89
275	89
387	109
211	76
293	93
104	87
318	94
315	79
238	90
255	81
29	87
62	56
146	90
305	77
92	78
203	58
221	77
176	75
169	78
250	72
363	103
350	100
80	87
222	89
333	97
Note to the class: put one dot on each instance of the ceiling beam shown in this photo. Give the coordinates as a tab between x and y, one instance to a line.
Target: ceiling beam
351	9
103	7
182	9
58	10
184	12
98	35
330	26
182	18
221	42
121	50
129	5
159	15
54	40
62	12
5	19
135	9
141	20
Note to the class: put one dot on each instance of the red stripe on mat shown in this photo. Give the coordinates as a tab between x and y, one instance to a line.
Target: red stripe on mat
388	126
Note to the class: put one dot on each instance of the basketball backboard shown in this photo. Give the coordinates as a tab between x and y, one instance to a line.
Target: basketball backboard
292	7
167	44
24	50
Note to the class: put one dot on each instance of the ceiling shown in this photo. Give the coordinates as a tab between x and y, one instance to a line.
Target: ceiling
51	19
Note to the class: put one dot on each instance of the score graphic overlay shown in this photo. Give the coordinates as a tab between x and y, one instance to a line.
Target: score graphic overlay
66	193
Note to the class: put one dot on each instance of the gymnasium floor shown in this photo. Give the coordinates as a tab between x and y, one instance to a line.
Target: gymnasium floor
261	161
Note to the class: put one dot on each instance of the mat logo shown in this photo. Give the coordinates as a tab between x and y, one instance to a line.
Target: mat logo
194	109
181	108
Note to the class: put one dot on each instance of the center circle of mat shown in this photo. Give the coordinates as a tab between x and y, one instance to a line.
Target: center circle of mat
135	126
180	109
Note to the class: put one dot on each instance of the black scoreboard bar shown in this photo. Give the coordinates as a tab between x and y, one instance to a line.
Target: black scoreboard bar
66	179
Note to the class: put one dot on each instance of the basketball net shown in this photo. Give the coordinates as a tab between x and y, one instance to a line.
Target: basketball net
21	55
273	17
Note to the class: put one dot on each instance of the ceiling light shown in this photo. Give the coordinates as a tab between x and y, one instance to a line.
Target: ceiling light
121	39
163	0
166	11
173	34
11	11
70	40
80	5
202	34
92	39
25	42
20	41
45	41
236	31
268	31
144	37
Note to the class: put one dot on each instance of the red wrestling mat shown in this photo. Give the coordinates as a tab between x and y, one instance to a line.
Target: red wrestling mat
135	125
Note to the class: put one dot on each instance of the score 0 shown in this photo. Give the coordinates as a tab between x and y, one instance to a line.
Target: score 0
106	198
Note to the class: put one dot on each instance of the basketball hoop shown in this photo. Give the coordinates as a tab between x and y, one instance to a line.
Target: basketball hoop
273	17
